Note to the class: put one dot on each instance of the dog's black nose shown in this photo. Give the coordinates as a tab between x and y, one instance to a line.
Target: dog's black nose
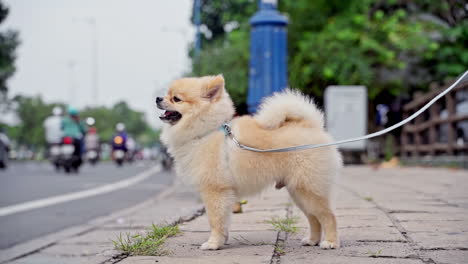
158	99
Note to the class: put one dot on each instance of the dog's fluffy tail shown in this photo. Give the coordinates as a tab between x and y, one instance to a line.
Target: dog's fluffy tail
286	106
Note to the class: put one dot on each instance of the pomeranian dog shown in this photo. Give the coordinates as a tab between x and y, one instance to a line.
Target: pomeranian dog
196	108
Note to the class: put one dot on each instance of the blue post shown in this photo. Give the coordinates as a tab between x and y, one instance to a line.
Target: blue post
268	53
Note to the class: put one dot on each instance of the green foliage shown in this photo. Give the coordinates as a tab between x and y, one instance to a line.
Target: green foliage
216	14
355	45
8	43
232	60
392	46
32	111
449	56
287	224
148	244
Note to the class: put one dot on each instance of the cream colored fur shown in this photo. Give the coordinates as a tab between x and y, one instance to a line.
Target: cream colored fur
289	105
223	172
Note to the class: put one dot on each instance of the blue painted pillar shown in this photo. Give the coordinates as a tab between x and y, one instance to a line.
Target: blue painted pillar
268	54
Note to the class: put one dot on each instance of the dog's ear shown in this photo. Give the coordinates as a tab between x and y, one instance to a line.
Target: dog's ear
214	88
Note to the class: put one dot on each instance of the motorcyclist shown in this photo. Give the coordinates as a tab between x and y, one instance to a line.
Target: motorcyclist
92	146
53	127
73	127
120	132
91	139
4	148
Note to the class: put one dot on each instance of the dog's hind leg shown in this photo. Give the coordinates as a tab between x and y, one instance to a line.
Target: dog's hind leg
320	216
315	228
218	205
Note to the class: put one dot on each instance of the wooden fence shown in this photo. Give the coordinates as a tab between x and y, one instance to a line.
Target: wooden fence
439	130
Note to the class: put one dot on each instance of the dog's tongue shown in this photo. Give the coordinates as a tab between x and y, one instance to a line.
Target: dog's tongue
168	113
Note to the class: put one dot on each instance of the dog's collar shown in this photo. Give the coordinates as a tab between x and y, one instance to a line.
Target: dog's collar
226	128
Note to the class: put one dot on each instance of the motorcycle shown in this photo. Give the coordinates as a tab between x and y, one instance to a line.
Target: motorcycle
92	155
3	155
118	150
70	158
54	155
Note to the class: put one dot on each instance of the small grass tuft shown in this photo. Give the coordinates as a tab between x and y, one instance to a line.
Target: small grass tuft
147	244
368	198
279	249
284	224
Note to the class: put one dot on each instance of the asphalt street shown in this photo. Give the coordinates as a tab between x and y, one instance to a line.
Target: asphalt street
31	181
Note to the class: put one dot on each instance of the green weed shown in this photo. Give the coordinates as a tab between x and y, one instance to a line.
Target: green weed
148	244
284	224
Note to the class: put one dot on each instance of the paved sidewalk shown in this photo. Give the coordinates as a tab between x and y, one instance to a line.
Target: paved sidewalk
401	215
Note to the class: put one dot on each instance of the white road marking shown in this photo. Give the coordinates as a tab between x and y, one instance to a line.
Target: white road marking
13	209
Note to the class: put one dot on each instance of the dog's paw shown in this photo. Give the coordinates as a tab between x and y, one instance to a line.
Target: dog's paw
309	242
210	246
329	244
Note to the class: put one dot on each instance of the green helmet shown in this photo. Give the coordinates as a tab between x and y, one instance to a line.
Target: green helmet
73	111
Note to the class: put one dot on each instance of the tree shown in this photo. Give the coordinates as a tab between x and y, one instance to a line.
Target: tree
225	47
392	46
216	15
32	111
8	44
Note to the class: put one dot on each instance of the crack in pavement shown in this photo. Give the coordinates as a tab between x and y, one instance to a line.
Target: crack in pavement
280	242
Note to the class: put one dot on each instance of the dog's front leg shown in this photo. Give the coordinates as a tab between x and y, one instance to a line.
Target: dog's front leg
218	204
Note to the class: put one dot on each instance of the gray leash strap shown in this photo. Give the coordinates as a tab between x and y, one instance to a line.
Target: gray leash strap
228	131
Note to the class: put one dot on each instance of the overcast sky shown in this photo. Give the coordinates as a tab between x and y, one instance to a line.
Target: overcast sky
141	46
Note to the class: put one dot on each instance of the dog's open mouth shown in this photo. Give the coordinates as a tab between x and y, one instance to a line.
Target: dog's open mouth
170	116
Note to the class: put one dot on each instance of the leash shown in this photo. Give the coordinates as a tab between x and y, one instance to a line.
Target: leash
228	132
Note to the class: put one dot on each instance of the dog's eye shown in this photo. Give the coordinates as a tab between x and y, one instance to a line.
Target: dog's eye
176	99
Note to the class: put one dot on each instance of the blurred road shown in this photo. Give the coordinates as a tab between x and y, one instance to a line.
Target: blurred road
31	181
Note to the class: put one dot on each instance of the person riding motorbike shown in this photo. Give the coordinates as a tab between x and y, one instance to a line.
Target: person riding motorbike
4	148
91	142
119	144
73	127
53	135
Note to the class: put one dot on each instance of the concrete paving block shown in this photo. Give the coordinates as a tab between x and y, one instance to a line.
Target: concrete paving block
376	220
359	212
255	220
461	216
200	224
406	206
247	221
100	236
330	259
163	215
71	250
436	226
51	259
371	234
447	256
352	248
440	240
240	243
198	260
